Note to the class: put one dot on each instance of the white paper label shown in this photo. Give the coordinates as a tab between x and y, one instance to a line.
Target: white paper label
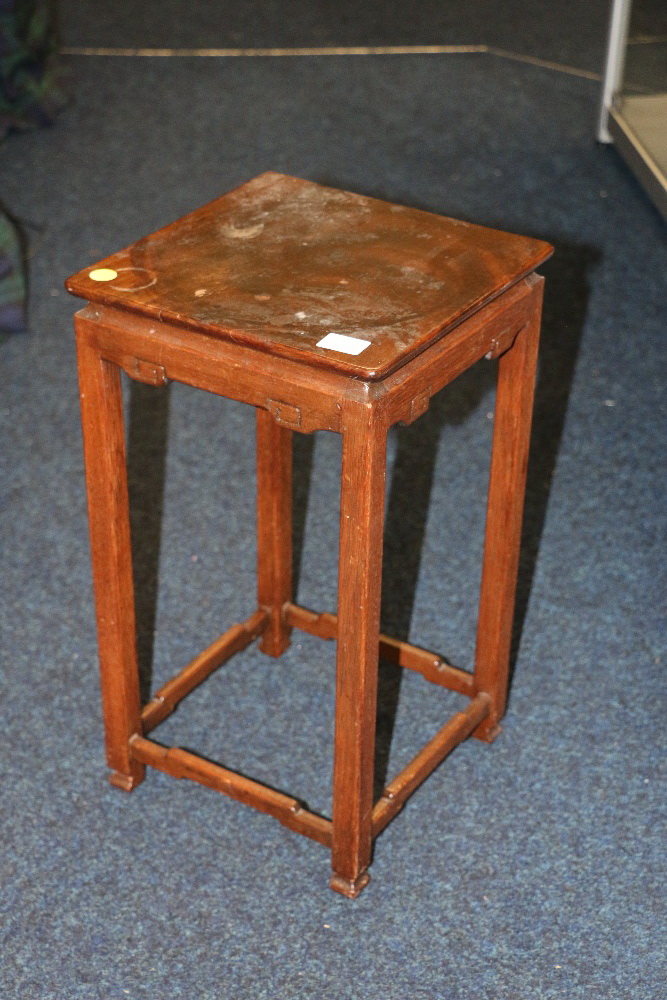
343	344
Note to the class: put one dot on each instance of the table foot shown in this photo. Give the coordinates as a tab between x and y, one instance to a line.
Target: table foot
273	643
488	732
349	887
126	782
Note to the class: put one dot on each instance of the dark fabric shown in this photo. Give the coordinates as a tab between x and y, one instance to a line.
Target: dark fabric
29	92
12	282
29	97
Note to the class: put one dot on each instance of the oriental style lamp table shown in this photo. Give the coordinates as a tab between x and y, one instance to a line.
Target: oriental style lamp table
325	310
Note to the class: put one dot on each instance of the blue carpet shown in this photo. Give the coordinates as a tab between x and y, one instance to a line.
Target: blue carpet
530	869
541	29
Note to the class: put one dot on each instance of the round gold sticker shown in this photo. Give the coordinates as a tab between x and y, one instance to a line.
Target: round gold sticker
103	274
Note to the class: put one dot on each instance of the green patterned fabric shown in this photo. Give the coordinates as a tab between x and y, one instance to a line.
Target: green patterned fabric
12	282
29	97
29	92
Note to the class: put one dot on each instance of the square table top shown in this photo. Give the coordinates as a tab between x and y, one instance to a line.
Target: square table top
290	267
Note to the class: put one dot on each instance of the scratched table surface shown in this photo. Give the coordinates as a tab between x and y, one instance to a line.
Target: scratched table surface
282	264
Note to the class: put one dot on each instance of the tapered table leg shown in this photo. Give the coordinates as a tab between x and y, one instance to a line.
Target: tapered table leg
108	507
274	528
359	582
509	461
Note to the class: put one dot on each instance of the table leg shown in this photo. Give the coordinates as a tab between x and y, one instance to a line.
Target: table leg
108	508
274	528
509	461
359	582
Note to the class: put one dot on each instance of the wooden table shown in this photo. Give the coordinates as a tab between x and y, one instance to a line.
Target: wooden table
326	311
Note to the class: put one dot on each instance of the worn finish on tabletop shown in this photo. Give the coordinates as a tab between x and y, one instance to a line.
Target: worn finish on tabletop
233	299
280	262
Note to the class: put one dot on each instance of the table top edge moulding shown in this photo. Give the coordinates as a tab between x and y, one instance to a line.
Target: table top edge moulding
281	264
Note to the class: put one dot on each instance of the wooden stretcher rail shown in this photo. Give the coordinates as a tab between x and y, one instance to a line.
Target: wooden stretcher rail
430	665
454	732
183	764
233	641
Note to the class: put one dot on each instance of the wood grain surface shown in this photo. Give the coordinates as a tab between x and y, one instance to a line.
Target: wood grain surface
281	262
